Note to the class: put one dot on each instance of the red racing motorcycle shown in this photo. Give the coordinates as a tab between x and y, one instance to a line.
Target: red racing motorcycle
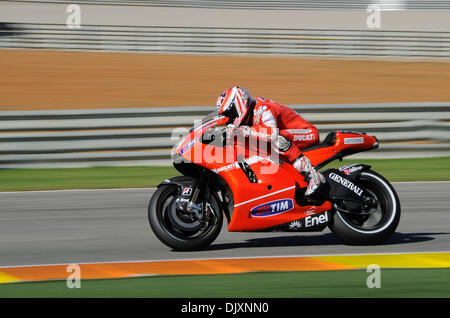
257	193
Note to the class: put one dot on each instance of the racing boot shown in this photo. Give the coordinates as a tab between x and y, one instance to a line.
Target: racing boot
312	176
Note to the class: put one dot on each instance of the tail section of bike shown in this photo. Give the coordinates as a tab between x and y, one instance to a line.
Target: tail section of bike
339	144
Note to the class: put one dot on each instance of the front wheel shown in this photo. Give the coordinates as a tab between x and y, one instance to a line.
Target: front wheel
373	228
178	229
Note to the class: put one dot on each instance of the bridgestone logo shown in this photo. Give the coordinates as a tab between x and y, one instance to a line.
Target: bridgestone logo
346	183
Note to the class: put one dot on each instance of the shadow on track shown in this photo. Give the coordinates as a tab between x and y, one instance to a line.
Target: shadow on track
405	238
318	240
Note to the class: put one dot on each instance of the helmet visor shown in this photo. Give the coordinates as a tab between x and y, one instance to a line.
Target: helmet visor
231	113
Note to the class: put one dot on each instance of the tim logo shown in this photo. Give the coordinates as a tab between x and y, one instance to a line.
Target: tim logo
272	208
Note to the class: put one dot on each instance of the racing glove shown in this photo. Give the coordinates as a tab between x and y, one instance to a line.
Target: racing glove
232	130
229	131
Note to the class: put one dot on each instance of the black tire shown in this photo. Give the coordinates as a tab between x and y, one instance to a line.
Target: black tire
161	224
358	230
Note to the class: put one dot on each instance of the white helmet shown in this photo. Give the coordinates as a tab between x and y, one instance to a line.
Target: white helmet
233	103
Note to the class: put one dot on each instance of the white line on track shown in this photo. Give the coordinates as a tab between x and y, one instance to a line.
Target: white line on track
225	258
154	188
77	190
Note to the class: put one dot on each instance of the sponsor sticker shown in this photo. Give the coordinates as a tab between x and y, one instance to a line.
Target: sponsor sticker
295	225
309	221
345	167
315	220
346	183
304	137
207	126
299	131
350	170
272	208
354	140
227	167
188	146
268	119
187	191
311	210
259	134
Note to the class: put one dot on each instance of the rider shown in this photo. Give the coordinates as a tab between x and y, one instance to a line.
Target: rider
263	118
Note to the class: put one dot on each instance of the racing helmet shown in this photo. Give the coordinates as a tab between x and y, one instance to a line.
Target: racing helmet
234	104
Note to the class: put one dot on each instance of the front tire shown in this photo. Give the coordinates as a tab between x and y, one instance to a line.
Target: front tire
160	217
355	229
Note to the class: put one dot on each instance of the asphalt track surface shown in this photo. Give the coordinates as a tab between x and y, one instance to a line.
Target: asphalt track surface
80	226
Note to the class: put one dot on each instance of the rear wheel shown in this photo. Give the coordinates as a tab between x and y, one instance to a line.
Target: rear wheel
179	229
379	224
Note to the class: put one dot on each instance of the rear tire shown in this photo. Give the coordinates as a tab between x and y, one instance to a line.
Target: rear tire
360	230
163	227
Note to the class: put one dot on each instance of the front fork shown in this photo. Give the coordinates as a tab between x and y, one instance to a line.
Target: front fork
200	187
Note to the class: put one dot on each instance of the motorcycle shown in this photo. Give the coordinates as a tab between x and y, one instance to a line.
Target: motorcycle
256	193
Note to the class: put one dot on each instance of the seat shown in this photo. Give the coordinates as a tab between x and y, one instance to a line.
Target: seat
329	140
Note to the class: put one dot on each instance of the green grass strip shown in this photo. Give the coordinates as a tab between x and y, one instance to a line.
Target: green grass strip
83	178
349	283
422	169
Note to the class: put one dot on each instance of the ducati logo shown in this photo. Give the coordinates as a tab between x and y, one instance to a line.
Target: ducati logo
304	137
